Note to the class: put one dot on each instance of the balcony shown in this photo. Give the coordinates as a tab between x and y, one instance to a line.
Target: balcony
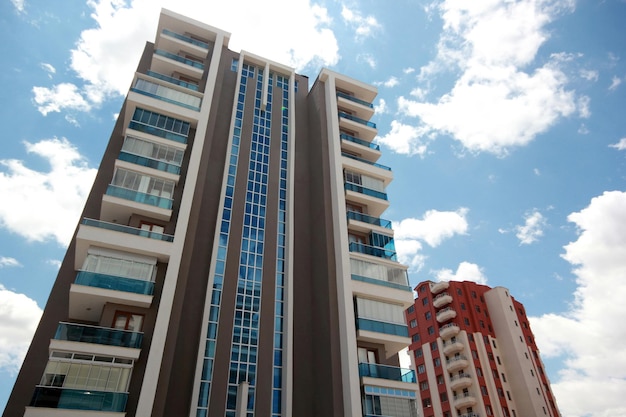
356	158
355	100
464	400
361	142
357	119
120	237
139	197
437	287
460	381
189	62
166	94
91	291
394	337
376	221
172	80
449	330
382	327
456	363
77	399
149	162
450	347
373	251
81	333
366	191
446	314
187	39
391	373
442	299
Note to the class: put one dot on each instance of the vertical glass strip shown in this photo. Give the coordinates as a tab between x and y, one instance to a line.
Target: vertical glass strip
220	262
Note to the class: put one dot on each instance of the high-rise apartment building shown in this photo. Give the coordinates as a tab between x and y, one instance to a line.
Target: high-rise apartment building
230	259
475	354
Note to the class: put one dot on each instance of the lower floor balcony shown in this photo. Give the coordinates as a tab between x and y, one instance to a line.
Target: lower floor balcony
382	327
98	335
78	399
393	373
464	400
373	251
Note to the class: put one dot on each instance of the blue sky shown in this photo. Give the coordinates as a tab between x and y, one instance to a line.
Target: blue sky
504	123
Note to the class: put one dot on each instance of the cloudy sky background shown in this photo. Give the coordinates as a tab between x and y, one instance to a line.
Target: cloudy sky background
504	123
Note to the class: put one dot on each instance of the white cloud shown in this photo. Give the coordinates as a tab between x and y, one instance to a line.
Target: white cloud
62	191
537	172
368	59
391	82
620	146
19	5
381	107
404	139
500	100
466	271
434	227
583	107
589	75
6	261
532	229
615	82
408	70
48	68
594	379
19	316
60	97
106	56
364	25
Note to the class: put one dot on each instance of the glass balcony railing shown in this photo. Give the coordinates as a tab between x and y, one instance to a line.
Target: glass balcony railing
382	327
361	142
79	399
186	39
149	162
373	251
381	282
180	59
357	119
391	373
353	215
139	197
166	94
111	282
127	229
152	130
363	190
99	335
190	86
354	99
356	158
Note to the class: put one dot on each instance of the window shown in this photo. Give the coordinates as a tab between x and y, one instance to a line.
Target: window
427	315
500	392
425	301
482	323
124	320
141	183
424	385
488	410
483	390
486	340
413	324
525	325
490	356
431	330
479	372
503	377
493	342
495	374
498	360
538	392
508	395
459	292
474	354
477	308
437	361
419	353
411	309
433	346
473	294
423	288
119	264
415	337
462	306
466	321
444	397
532	373
470	337
426	402
421	369
440	380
